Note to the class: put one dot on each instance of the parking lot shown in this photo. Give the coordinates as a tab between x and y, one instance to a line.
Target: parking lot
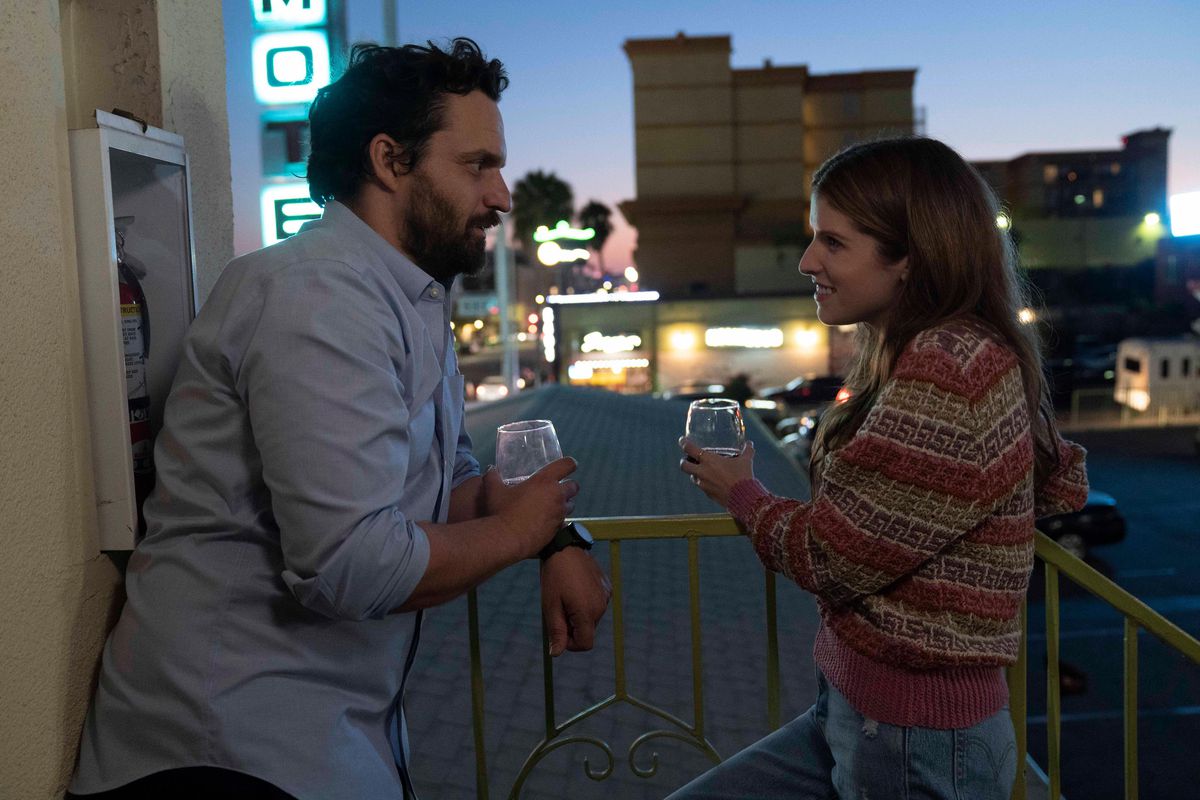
1154	474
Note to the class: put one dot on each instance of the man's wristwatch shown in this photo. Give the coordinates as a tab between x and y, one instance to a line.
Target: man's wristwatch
570	535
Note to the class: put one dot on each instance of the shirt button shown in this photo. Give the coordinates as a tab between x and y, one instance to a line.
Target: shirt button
434	293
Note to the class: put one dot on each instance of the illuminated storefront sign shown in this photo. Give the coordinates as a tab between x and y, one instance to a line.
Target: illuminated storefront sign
1185	214
597	342
551	254
563	231
756	338
289	13
476	304
285	207
602	297
548	340
289	66
586	370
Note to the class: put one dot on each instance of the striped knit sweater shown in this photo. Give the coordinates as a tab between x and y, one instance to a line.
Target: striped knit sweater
918	543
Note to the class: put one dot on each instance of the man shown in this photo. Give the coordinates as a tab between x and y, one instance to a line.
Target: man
316	488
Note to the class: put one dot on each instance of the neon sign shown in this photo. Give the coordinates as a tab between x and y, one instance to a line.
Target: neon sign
749	338
602	297
563	231
548	340
289	13
1185	214
550	253
597	342
289	66
285	207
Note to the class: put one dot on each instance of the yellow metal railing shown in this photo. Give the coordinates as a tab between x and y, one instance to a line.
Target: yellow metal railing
1138	616
616	530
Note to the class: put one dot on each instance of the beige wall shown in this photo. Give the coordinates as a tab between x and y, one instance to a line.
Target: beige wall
57	593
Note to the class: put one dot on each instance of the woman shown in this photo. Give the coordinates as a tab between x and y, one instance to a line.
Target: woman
918	542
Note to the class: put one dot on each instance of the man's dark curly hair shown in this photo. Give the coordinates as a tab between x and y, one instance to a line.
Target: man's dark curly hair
399	91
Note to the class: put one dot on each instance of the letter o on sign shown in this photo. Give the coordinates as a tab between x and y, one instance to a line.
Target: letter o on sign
290	66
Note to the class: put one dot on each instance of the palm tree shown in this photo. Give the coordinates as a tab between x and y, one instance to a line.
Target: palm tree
540	198
596	215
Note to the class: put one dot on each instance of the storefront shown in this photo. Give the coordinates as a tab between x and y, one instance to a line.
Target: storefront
637	343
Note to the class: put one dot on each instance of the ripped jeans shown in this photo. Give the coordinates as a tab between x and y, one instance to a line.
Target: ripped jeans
831	752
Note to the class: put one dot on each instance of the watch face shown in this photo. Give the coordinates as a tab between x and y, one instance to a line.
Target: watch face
582	532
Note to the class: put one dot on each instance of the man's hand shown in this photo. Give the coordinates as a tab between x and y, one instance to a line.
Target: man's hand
575	595
532	511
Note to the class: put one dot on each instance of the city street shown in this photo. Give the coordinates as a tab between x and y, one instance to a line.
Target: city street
1154	474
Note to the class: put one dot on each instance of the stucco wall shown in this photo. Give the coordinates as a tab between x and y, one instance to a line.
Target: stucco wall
57	593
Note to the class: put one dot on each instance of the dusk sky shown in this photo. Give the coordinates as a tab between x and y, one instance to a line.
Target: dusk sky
995	79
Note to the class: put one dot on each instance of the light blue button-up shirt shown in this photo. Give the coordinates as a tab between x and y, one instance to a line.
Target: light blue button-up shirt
314	422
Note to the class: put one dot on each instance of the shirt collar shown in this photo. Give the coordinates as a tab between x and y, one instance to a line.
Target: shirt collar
414	282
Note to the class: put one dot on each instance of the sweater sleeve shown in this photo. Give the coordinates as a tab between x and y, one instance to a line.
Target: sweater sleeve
912	480
1067	487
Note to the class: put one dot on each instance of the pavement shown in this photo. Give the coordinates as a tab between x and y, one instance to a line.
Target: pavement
628	455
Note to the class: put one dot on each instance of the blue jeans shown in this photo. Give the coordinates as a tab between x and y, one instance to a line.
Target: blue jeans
832	751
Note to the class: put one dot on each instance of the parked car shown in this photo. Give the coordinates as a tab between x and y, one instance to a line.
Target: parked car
695	390
491	388
796	434
1098	522
804	392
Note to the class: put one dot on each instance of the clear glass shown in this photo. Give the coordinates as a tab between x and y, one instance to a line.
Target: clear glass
716	425
522	448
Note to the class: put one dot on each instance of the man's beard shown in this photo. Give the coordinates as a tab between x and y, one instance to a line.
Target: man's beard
435	239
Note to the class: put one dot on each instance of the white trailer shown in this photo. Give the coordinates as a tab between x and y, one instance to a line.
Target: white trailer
1159	375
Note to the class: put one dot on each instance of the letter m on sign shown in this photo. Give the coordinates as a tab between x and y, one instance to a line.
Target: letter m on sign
289	13
266	4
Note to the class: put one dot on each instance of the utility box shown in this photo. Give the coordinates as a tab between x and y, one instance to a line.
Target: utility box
131	194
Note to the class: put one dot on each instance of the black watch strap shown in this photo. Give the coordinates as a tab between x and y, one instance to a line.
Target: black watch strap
570	535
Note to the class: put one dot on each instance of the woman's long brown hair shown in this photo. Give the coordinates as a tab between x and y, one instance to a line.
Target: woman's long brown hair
918	199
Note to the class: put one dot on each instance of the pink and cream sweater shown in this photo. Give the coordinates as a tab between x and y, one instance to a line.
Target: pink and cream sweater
918	543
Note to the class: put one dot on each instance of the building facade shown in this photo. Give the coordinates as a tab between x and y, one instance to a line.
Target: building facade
650	344
725	157
1094	208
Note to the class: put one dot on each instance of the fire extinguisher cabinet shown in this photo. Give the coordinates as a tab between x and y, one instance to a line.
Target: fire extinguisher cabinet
124	171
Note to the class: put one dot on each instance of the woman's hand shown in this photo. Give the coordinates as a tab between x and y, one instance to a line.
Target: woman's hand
716	474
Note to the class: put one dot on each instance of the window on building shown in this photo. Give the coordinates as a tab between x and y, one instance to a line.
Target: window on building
1071	176
1164	368
1187	368
1097	197
1050	173
1116	168
1133	365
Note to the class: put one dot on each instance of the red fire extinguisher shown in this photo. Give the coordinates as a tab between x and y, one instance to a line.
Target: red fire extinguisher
135	336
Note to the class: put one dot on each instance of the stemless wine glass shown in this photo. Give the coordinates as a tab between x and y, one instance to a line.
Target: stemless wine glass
715	425
522	448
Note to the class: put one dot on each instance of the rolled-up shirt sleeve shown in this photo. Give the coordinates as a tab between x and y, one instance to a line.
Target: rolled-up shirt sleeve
465	464
326	406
